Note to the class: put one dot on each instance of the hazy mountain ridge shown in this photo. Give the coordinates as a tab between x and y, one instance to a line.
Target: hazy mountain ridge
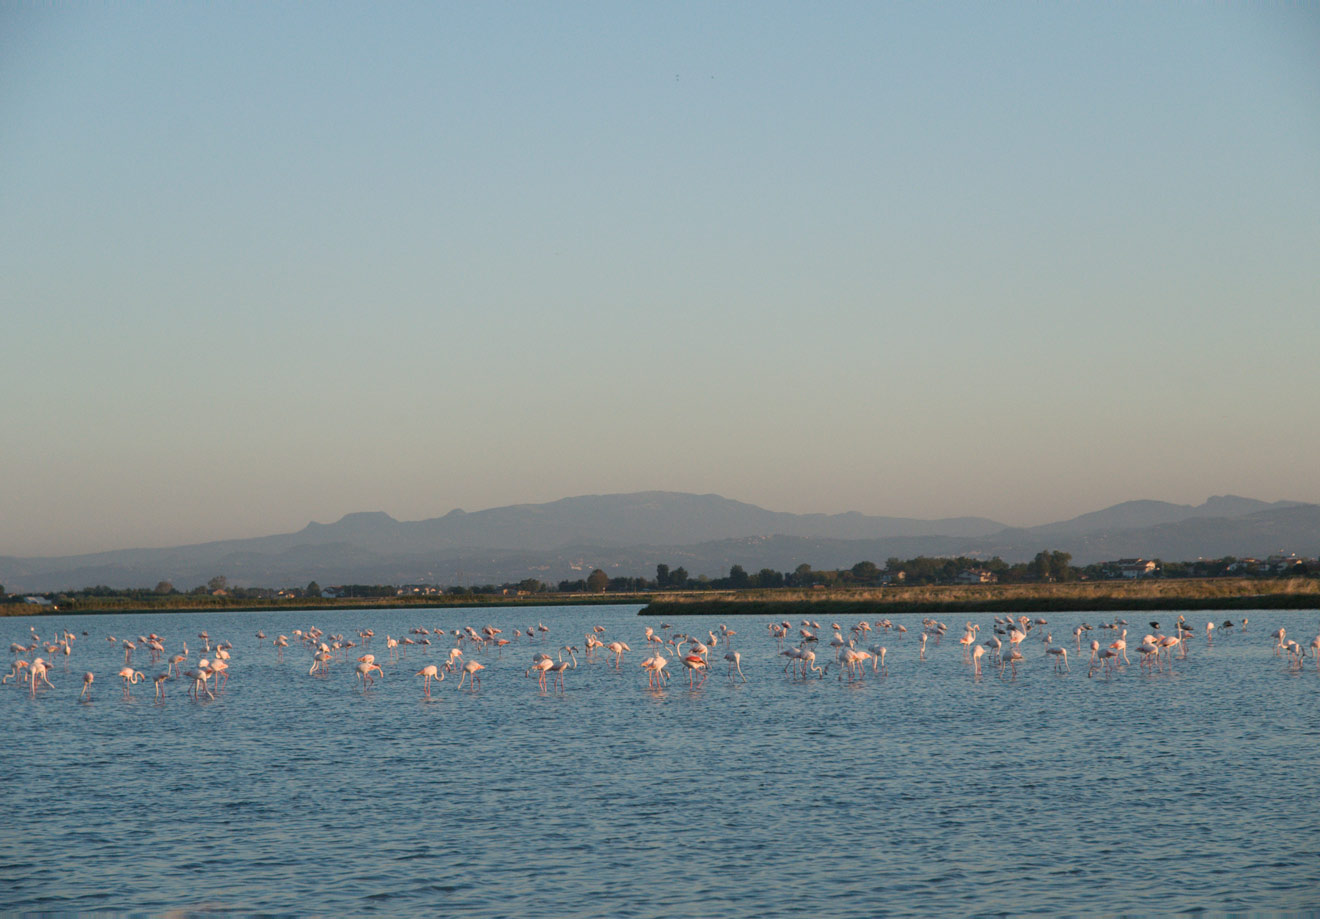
629	534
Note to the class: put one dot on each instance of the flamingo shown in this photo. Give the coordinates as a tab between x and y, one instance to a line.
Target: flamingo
200	676
87	683
735	662
1109	658
617	648
130	677
39	671
977	652
1149	652
541	663
159	680
1168	643
1120	646
794	655
559	667
364	673
1060	657
428	673
655	670
878	653
694	663
471	672
968	639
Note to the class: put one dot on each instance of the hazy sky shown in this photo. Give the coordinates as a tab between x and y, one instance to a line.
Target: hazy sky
262	264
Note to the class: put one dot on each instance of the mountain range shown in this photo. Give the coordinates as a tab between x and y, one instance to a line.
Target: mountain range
630	534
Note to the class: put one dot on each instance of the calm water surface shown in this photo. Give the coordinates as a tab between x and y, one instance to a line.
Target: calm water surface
926	792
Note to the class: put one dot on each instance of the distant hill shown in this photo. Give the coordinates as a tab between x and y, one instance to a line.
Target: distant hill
1131	515
630	534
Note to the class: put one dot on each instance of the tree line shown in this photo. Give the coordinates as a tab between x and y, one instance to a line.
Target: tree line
1047	566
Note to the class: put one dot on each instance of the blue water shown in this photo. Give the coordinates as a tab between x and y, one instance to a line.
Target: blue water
925	792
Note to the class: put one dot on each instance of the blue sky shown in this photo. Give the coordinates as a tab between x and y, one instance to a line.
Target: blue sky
265	264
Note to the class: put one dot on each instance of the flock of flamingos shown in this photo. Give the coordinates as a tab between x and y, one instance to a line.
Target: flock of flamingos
800	647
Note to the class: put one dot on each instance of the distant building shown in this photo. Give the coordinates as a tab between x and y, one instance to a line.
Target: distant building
1135	567
975	576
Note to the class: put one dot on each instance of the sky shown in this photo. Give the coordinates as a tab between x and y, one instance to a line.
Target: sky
262	264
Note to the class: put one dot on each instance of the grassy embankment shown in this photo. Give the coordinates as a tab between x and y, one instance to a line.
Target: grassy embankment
1098	596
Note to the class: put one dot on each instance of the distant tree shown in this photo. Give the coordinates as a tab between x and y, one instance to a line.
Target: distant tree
1061	568
313	589
662	576
531	586
866	572
802	576
164	587
1040	566
598	581
678	577
219	582
769	577
738	577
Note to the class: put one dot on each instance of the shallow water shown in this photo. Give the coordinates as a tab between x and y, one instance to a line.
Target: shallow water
924	792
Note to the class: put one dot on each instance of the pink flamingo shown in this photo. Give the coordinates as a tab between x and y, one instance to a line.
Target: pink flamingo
694	663
87	684
1121	646
131	677
1060	657
364	673
541	663
1149	652
808	662
471	672
454	655
617	648
878	658
735	662
39	671
558	668
428	673
655	670
17	672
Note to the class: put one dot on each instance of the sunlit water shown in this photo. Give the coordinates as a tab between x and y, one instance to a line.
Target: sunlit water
926	792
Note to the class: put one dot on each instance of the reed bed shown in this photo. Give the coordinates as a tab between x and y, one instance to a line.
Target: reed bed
1151	594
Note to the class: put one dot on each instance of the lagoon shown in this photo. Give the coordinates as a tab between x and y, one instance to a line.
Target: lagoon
921	793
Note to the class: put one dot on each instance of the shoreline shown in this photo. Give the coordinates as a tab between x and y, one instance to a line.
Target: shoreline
255	606
1110	596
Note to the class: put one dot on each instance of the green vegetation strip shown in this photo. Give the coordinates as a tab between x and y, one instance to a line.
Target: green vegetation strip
781	609
218	604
